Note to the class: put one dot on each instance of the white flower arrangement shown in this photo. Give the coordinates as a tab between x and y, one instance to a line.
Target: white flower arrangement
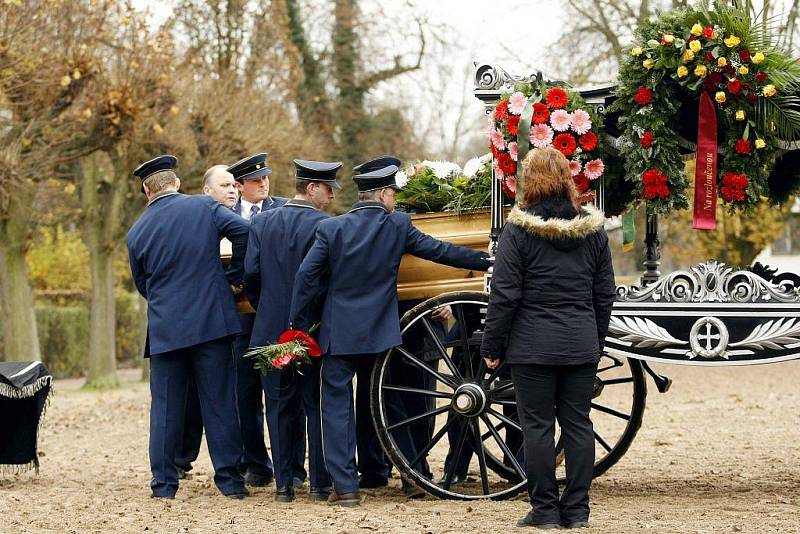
474	165
442	169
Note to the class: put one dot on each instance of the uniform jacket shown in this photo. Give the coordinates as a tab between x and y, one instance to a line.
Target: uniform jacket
552	287
268	204
174	256
279	240
246	320
362	250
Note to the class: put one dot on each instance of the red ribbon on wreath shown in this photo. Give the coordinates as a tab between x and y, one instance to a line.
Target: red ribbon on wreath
705	174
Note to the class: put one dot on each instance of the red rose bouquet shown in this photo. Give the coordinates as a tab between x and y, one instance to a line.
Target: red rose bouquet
294	347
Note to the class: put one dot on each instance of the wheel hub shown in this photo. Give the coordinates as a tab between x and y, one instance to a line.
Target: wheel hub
469	400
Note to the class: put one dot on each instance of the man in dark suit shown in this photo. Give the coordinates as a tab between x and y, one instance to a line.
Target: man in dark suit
361	251
279	240
174	258
252	174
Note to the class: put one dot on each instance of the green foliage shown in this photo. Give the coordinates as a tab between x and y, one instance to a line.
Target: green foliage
447	188
64	338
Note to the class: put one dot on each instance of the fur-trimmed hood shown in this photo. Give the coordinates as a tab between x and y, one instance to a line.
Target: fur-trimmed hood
552	221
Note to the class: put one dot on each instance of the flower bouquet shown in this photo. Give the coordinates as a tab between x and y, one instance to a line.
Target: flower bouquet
294	347
561	119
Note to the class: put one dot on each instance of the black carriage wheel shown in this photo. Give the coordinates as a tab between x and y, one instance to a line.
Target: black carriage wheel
487	434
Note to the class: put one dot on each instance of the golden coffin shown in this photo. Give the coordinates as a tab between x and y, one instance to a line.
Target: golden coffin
422	279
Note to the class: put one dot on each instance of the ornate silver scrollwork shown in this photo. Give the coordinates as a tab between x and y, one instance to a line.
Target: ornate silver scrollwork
708	338
772	335
491	77
641	332
711	282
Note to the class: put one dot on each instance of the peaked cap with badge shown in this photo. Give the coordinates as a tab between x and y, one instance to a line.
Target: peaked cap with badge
159	163
377	179
250	168
318	171
376	164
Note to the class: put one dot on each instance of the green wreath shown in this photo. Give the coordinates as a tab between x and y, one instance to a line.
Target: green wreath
751	86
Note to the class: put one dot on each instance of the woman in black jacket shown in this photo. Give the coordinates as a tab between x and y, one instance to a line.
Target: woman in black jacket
549	308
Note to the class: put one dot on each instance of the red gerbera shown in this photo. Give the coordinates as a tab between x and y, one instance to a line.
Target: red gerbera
588	141
761	76
512	124
540	113
643	96
581	182
565	143
556	98
647	139
743	146
306	340
734	86
506	164
501	111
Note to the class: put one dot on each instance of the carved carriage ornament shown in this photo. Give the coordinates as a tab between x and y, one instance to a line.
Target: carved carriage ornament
710	314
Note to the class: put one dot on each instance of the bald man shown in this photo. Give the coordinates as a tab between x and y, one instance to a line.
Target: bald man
219	184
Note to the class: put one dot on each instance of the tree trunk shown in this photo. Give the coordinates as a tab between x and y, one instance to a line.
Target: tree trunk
100	220
20	336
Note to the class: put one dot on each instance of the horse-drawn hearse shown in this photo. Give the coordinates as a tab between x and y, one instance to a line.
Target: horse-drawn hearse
437	386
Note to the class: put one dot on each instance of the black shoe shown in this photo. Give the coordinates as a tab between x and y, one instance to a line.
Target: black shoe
284	494
181	473
348	500
319	494
298	483
456	479
576	524
413	492
372	481
258	480
529	521
239	495
165	497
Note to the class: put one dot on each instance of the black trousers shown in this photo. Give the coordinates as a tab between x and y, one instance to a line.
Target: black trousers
546	393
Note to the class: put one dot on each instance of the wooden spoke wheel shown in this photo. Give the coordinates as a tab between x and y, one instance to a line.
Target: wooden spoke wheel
450	424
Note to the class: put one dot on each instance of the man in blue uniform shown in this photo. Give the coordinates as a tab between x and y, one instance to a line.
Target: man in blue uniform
174	257
279	240
252	175
361	251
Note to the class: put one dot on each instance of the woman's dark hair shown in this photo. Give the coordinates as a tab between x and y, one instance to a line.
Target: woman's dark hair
546	174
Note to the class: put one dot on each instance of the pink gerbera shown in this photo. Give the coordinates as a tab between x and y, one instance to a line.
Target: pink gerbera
575	167
511	182
497	172
581	121
513	150
560	120
516	103
594	169
541	135
497	139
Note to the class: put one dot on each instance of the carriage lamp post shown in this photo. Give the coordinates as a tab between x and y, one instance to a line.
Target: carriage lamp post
652	252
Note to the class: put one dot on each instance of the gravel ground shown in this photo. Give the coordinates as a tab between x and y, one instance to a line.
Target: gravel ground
720	452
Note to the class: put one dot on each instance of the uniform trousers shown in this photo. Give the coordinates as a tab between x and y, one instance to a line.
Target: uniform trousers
189	448
287	390
212	364
372	461
339	418
546	393
249	395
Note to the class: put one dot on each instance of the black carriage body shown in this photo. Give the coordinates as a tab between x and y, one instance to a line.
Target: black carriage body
708	315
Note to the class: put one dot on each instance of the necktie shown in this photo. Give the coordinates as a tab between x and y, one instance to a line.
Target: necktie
254	211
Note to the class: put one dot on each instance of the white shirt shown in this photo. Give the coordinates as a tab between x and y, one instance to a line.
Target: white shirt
247	207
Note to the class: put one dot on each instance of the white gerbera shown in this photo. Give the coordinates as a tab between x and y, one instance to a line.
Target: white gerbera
401	179
442	169
474	165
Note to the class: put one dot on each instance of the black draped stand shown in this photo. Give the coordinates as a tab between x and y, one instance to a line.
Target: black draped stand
25	389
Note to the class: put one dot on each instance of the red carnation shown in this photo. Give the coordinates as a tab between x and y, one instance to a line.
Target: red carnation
655	184
507	165
643	96
734	86
556	98
501	111
512	124
647	139
743	146
565	143
734	187
708	32
709	57
588	141
761	76
581	182
540	113
744	55
305	339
